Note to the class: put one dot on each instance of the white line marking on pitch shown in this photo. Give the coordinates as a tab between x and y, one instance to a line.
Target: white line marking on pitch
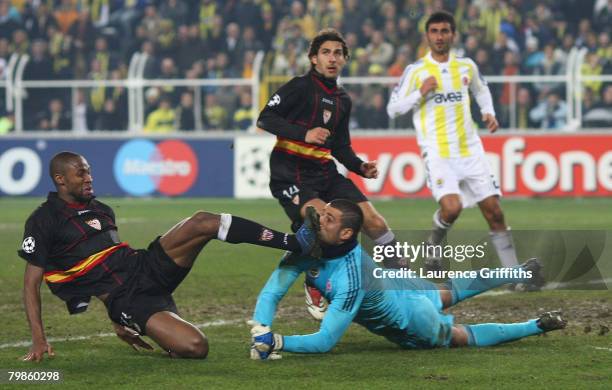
78	338
604	349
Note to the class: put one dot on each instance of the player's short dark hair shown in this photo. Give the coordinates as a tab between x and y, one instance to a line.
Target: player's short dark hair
441	17
327	34
59	161
352	216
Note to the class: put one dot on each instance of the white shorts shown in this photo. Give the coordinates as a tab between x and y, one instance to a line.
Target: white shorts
468	177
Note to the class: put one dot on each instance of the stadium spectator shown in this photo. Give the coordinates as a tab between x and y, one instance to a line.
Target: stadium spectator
215	115
523	107
231	46
600	114
604	51
249	42
511	68
304	21
189	47
267	27
507	24
109	118
185	114
401	60
55	117
20	43
66	14
60	50
208	11
550	64
374	114
151	22
108	60
168	71
83	34
151	67
166	39
37	21
355	13
244	114
9	23
603	15
379	51
39	67
174	10
360	64
592	67
244	12
161	120
550	113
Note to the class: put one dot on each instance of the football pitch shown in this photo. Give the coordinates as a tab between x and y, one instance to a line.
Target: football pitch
220	292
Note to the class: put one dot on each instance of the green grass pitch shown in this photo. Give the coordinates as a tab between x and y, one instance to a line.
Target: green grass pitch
224	284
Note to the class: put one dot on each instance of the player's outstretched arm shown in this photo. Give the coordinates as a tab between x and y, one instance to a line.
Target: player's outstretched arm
31	299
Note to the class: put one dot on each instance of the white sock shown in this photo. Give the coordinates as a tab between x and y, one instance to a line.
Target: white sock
504	246
386	238
439	230
224	225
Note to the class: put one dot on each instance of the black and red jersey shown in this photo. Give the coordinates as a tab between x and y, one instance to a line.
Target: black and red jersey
79	248
304	103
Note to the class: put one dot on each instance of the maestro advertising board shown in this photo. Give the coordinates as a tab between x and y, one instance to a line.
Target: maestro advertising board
138	167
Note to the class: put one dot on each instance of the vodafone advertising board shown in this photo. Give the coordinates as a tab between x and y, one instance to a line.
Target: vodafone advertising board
529	165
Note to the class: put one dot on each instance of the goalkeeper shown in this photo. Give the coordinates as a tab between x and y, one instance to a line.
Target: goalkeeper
408	313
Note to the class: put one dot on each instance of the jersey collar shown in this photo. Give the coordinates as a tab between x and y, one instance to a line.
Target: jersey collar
328	85
59	203
335	251
451	58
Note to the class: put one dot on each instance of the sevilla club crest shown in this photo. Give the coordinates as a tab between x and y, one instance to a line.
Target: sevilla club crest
326	116
94	223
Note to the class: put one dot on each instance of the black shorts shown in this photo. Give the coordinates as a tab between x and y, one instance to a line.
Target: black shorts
148	290
292	196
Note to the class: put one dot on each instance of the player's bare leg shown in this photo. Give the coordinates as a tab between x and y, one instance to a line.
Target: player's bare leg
184	241
375	226
443	219
492	212
450	208
177	336
501	237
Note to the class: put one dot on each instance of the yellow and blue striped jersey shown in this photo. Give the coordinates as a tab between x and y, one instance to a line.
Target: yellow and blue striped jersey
442	118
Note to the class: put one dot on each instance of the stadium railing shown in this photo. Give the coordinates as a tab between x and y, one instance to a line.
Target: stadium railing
262	85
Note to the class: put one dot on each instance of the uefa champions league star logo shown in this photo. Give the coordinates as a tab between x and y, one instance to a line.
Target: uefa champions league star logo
28	245
275	101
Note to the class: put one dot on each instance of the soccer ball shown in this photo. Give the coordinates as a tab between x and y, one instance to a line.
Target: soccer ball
28	245
254	167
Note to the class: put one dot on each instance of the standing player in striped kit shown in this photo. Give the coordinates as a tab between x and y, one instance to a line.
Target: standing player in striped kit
436	89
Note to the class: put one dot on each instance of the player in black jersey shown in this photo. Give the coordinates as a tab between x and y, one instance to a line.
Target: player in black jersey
71	242
310	117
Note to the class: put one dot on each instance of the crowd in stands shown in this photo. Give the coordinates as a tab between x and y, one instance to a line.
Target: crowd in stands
209	39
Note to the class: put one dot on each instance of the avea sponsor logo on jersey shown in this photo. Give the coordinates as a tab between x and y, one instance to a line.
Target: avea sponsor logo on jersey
142	167
451	97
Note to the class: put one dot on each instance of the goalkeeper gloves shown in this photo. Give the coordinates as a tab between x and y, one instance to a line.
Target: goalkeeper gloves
315	302
265	345
307	233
